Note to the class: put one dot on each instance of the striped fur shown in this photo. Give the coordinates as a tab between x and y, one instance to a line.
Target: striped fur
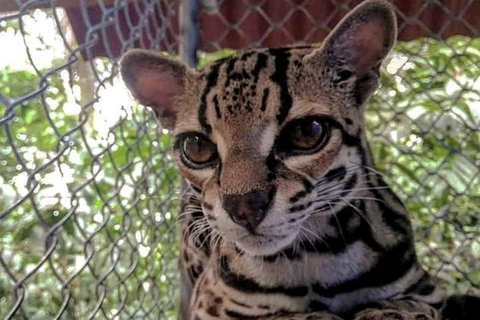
336	241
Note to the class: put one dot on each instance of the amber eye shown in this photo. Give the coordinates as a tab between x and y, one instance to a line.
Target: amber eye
305	135
198	150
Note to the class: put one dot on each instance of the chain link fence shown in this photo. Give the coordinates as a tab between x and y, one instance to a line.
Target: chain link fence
88	191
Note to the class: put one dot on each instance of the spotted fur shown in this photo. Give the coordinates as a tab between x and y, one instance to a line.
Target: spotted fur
336	242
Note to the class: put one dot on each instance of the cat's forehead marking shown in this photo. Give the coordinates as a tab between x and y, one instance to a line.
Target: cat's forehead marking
249	89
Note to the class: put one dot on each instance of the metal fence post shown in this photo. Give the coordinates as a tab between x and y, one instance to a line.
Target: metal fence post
189	32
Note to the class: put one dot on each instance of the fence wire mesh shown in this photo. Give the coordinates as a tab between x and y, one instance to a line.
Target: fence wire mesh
89	193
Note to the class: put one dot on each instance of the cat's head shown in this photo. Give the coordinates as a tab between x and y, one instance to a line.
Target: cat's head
267	136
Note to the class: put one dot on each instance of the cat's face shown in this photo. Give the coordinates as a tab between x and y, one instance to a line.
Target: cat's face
267	137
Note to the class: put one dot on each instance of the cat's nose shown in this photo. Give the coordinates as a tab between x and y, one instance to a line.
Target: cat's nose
249	209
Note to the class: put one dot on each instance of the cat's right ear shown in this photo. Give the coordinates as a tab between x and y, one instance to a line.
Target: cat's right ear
354	50
155	81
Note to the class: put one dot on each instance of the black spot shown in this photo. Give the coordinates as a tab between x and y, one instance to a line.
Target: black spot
348	121
207	206
213	311
344	75
266	92
231	110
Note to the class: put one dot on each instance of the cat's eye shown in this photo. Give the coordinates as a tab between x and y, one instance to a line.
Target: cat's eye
197	150
305	135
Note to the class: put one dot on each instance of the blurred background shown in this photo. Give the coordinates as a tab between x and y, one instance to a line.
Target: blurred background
88	191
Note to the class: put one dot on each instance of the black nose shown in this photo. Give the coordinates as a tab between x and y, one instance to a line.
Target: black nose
248	209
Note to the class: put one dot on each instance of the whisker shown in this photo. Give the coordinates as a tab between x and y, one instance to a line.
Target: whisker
338	223
316	237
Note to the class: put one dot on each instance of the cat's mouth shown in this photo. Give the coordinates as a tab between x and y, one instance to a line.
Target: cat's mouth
261	244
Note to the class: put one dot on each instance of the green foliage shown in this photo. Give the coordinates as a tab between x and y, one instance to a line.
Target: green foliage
104	199
424	125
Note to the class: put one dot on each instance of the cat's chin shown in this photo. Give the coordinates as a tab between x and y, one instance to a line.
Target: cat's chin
264	245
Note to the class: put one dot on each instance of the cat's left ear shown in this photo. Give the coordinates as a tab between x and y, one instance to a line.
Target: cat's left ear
357	46
155	81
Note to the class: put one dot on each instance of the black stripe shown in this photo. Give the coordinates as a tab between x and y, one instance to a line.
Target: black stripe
289	253
349	185
259	65
231	65
240	304
280	77
211	82
242	283
236	315
266	92
391	266
272	162
424	286
317	306
298	196
247	55
350	140
308	185
336	174
300	207
217	107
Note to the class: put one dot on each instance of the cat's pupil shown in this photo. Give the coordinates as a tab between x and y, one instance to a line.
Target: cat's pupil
306	134
198	149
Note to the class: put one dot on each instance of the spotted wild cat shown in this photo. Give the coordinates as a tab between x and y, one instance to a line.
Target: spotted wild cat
285	216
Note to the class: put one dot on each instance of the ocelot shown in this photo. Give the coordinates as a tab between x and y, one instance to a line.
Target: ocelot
285	216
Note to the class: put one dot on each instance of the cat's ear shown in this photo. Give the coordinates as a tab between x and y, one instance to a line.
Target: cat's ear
155	81
358	45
